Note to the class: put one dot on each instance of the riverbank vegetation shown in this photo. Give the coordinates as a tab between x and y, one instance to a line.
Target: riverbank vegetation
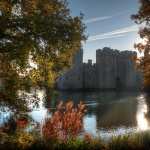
63	131
32	141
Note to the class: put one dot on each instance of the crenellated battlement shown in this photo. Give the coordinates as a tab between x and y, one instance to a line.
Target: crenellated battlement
113	52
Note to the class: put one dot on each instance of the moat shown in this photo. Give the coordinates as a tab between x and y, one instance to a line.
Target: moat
108	113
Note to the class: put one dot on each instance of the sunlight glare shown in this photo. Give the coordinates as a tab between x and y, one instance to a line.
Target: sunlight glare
142	123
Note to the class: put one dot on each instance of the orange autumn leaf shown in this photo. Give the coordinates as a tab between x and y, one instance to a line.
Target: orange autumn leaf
65	123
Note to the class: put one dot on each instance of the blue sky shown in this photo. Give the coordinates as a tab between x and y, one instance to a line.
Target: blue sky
108	24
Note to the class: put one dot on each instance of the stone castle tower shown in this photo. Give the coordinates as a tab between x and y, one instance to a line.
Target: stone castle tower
116	70
113	70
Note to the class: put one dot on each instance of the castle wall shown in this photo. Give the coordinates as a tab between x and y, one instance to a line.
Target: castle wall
106	69
72	79
122	68
113	70
89	76
127	70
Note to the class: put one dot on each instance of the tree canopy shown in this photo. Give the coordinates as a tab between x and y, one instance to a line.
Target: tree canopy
143	18
37	41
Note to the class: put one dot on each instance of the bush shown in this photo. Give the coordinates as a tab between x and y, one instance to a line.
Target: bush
66	122
24	140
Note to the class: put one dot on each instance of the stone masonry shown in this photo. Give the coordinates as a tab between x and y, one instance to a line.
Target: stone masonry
113	70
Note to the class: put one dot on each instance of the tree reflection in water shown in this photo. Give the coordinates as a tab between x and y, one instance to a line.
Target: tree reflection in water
12	118
108	113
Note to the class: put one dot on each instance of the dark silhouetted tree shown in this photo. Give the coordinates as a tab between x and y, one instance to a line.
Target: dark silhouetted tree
143	18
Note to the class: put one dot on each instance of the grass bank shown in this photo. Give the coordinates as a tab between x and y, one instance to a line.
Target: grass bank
31	141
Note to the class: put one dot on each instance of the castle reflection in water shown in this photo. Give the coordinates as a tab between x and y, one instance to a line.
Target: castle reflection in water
108	113
112	113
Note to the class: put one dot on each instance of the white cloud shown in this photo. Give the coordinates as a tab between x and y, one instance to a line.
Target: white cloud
97	19
115	33
105	37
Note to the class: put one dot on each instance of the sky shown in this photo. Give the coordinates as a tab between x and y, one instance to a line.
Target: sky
108	24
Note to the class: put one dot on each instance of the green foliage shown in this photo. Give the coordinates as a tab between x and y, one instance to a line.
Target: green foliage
30	141
137	141
79	144
37	32
120	143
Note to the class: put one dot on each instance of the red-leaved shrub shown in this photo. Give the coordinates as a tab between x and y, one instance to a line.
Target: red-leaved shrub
65	123
22	123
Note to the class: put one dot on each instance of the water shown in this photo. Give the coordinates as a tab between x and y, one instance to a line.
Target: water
108	113
113	113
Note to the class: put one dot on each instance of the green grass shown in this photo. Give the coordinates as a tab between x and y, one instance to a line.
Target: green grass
136	141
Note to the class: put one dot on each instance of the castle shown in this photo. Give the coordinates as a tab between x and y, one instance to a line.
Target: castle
113	70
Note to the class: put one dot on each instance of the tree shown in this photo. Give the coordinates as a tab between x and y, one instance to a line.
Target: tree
39	31
143	17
